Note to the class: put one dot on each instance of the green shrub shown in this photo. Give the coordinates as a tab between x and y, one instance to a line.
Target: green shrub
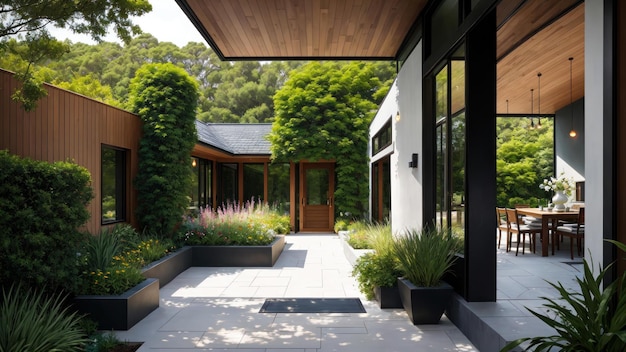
341	224
42	206
380	238
32	322
375	270
100	249
165	97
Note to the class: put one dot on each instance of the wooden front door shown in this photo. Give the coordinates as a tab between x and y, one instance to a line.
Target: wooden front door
316	197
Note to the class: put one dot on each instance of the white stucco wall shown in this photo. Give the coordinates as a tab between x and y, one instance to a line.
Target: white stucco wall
404	97
594	126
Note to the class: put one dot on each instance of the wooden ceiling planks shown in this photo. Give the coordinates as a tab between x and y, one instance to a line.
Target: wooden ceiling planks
546	52
247	29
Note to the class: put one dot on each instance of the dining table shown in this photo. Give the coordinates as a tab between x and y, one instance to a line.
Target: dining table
546	215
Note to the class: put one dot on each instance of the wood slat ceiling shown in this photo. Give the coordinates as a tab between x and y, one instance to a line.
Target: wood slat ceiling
249	30
533	36
547	52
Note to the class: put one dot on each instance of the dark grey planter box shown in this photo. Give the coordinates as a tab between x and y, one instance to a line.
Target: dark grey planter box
238	256
388	297
123	311
424	305
170	266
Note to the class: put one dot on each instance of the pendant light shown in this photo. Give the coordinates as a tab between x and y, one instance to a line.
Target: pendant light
572	132
539	99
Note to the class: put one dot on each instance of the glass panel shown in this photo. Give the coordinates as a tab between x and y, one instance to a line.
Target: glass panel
458	86
113	187
386	189
278	186
441	91
375	201
316	186
195	184
229	185
205	179
253	182
444	22
440	196
457	172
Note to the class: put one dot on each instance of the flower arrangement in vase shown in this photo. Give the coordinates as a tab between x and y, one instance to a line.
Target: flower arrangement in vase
562	187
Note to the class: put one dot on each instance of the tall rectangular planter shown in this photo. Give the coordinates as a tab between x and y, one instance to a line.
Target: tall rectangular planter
170	266
238	256
123	311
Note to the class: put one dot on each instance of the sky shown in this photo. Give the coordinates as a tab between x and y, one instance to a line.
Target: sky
166	22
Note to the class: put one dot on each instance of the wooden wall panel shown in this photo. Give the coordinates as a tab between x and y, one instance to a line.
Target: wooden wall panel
68	126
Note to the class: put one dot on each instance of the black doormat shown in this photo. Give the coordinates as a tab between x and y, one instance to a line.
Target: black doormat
312	305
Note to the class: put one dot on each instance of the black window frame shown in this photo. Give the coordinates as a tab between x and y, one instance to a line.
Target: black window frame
121	184
383	138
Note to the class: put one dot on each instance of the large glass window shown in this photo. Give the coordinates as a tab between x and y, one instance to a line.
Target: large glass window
113	184
253	182
450	145
382	139
228	180
200	192
278	186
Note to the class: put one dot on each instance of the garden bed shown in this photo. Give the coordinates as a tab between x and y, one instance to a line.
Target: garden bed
350	253
121	312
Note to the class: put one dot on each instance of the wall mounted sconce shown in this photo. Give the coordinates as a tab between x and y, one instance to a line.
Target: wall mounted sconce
193	162
413	162
397	115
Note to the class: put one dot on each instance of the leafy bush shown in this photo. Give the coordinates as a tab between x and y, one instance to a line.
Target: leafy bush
42	206
341	224
592	319
165	97
358	235
375	270
113	260
30	321
424	256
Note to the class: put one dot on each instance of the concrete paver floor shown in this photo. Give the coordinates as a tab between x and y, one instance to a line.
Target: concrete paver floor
217	309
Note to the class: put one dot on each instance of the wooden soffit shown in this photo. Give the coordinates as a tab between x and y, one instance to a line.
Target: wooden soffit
303	29
539	36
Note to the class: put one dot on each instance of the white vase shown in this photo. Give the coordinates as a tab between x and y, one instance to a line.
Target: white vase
559	200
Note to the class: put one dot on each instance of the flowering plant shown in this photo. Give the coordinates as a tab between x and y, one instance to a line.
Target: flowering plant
557	184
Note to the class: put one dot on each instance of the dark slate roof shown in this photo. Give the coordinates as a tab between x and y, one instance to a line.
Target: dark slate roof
236	138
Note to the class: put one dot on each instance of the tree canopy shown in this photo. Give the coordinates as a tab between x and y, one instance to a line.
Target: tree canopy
27	19
323	112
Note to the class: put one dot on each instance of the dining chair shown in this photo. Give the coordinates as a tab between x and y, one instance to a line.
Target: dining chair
573	231
502	225
516	225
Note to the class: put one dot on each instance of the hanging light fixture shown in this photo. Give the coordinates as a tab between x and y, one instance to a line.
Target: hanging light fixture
572	132
539	99
532	99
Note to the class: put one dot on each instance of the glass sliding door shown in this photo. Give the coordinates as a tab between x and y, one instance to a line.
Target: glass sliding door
450	145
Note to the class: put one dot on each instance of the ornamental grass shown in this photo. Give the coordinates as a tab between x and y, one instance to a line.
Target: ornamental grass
231	224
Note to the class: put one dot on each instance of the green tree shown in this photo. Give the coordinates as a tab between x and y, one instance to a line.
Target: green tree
524	157
165	97
323	112
32	17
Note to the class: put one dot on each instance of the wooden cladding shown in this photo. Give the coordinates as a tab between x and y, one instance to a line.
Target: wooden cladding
69	126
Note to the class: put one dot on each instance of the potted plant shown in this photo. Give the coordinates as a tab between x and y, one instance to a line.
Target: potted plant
377	275
588	318
424	256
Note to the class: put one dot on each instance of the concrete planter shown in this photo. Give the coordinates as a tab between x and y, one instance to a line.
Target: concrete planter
238	256
424	305
350	253
170	266
123	311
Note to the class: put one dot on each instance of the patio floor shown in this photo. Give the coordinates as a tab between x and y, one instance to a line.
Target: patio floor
217	309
